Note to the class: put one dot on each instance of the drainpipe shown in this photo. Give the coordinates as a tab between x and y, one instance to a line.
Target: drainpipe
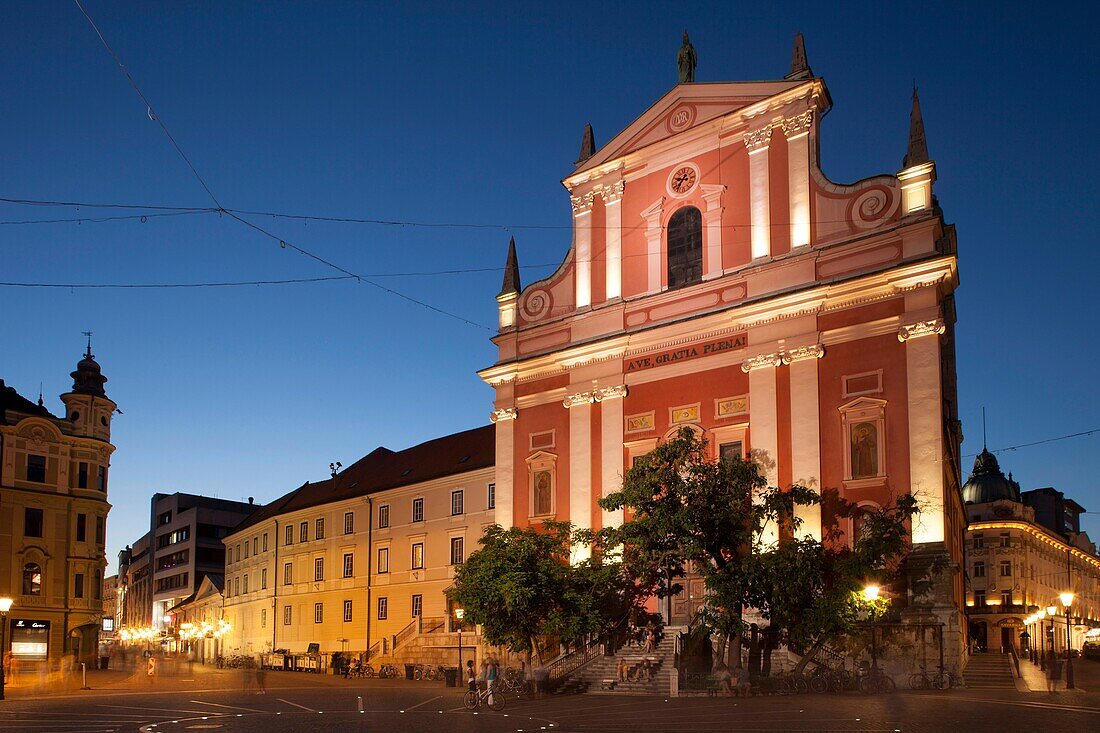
370	559
275	588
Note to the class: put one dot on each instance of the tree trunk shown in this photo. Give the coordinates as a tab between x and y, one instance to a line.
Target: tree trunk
798	668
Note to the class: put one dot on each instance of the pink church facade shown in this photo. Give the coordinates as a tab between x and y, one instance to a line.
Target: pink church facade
718	280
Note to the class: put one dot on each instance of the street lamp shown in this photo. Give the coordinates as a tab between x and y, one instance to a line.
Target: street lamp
870	594
1042	614
1067	602
459	613
5	606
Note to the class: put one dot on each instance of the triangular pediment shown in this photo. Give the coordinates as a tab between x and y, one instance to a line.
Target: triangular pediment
685	106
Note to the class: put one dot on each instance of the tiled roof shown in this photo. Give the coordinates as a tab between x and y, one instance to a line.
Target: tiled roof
12	400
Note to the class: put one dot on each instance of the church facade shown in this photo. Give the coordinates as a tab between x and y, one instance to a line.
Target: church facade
718	280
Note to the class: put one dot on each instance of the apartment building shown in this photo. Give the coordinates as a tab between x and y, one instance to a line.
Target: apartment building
350	562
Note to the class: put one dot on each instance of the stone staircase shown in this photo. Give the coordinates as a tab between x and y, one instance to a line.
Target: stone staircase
990	671
600	676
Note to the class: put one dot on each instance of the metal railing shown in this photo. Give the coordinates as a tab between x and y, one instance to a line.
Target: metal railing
432	625
567	664
406	633
373	651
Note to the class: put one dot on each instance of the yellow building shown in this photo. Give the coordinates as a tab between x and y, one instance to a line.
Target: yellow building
53	516
363	559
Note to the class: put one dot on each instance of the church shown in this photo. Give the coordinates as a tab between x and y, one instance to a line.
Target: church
718	280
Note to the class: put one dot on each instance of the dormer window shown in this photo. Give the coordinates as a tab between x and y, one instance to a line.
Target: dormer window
685	247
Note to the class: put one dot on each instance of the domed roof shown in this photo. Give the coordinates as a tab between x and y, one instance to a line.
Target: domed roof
88	377
988	483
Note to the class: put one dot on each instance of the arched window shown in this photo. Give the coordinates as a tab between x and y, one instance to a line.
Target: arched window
32	579
685	247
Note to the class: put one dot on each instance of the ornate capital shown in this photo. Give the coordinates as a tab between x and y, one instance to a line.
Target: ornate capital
582	204
581	398
758	139
816	351
921	328
611	393
798	124
507	413
761	361
612	193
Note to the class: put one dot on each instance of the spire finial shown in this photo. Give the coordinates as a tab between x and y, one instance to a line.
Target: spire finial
588	144
985	443
511	271
917	152
686	61
800	67
40	402
88	352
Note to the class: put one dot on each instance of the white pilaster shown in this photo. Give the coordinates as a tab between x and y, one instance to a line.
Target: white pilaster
611	446
926	455
505	471
764	424
712	220
582	227
797	129
652	216
759	196
580	470
805	432
613	219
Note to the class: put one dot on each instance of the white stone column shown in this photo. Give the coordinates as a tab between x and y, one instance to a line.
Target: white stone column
582	226
712	220
756	143
797	130
505	420
926	455
653	232
611	447
580	465
764	423
806	432
613	242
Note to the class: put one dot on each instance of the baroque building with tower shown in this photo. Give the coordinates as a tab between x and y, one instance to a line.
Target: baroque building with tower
53	517
717	280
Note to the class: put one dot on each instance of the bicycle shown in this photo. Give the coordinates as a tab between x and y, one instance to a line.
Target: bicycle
418	672
387	671
874	680
493	699
924	680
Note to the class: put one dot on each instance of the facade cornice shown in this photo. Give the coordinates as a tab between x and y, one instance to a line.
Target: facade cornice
1040	533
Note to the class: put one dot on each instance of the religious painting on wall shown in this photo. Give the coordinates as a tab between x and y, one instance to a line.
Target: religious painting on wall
863	421
864	437
543	493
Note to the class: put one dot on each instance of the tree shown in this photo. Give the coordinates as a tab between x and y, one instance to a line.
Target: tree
520	587
689	510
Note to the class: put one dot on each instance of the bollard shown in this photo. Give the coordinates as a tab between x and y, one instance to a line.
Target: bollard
360	703
84	676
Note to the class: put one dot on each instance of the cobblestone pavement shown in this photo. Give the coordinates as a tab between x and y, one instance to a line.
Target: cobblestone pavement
218	702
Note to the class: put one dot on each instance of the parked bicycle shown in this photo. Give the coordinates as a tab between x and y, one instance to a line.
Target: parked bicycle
925	680
387	671
873	680
473	700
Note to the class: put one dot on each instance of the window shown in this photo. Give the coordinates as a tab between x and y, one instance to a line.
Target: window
263	579
303	532
349	565
685	247
265	541
318	613
81	527
492	503
263	618
417	605
78	585
347	611
165	518
1006	598
237	556
730	452
101	478
979	570
99	531
237	586
456	503
97	587
383	516
32	522
319	528
318	568
82	475
383	608
32	579
255	545
36	468
383	559
288	573
286	615
979	542
245	583
246	549
1005	539
418	510
349	522
456	550
289	539
418	556
1006	568
979	598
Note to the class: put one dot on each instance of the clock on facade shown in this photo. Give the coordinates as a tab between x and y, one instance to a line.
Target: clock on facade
683	180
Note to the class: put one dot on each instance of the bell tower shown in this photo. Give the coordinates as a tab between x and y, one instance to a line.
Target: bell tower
87	406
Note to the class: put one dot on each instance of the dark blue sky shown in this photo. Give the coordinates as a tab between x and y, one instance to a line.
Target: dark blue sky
472	113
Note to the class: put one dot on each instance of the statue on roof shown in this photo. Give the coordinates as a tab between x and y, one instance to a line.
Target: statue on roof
686	61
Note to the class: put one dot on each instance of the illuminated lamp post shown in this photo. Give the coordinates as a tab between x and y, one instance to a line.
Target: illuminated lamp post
5	606
1067	602
1051	610
459	613
1042	614
871	594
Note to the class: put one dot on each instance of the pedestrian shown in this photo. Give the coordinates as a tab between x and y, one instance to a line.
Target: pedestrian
491	678
246	678
471	676
744	681
483	673
151	668
621	669
1054	672
723	679
261	679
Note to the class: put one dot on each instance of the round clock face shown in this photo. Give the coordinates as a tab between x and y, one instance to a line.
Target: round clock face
683	180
